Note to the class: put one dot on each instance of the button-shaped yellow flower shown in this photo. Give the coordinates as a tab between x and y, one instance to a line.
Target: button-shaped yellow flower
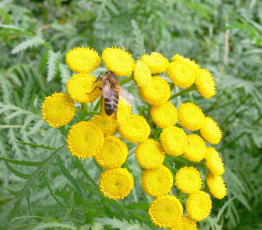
123	112
142	74
185	224
216	186
157	62
214	162
205	83
107	124
196	148
210	131
193	64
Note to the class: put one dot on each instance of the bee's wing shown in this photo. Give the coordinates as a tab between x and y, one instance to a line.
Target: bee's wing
125	96
106	90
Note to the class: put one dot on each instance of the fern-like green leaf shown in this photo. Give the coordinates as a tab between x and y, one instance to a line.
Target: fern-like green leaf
139	47
53	59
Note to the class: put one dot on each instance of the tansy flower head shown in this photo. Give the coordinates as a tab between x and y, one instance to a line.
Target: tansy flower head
205	83
107	124
173	140
157	62
58	109
123	111
164	115
191	116
156	93
116	183
82	60
193	64
118	61
80	87
196	148
157	182
142	74
214	162
198	206
210	131
185	224
85	139
113	153
188	180
216	186
165	211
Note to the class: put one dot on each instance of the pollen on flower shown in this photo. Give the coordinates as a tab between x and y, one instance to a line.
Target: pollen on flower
107	124
142	74
185	224
214	162
157	62
196	148
205	83
216	186
210	131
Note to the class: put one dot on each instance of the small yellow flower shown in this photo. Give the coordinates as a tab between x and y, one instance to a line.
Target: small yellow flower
157	62
142	74
165	211
85	139
185	224
156	93
123	112
80	88
193	64
191	116
58	109
107	124
196	148
210	131
188	180
216	186
157	182
135	129
113	153
174	140
118	61
214	162
164	115
205	83
83	60
116	183
198	206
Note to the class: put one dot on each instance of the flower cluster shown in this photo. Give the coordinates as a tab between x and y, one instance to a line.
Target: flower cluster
162	130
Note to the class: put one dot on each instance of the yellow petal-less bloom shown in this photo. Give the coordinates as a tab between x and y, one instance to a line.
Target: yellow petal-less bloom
156	62
164	115
83	60
58	109
191	116
150	154
174	140
116	183
107	124
198	206
123	111
142	74
193	64
113	153
216	185
214	162
205	83
185	224
196	148
165	211
85	139
135	129
157	182
156	93
210	131
118	61
80	87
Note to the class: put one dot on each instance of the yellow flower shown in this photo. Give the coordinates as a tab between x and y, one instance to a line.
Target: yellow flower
123	112
113	153
164	115
118	61
214	162
165	211
191	116
205	83
150	154
116	183
210	131
198	206
107	124
85	139
188	180
82	60
196	148
58	109
216	186
173	140
185	224
135	129
156	93
192	63
142	74
157	182
156	62
80	87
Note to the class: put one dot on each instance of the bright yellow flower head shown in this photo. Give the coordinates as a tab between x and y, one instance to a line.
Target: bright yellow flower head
216	186
80	87
198	206
150	154
185	224
118	61
210	131
165	211
188	180
113	153
174	140
157	62
82	60
58	109
116	183
196	148
123	111
107	124
191	116
142	74
214	162
156	93
135	129
205	83
164	115
193	64
157	182
85	139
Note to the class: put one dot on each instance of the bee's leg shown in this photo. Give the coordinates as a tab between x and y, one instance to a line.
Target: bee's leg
115	115
98	79
95	89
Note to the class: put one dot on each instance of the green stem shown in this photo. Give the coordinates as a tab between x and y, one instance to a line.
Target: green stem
172	86
126	80
85	107
157	131
191	88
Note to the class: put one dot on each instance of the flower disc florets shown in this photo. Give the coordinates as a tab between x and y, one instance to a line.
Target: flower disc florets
216	186
108	124
210	131
196	148
142	74
205	83
214	162
185	224
157	62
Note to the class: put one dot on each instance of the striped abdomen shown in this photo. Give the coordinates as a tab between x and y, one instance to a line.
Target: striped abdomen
111	103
